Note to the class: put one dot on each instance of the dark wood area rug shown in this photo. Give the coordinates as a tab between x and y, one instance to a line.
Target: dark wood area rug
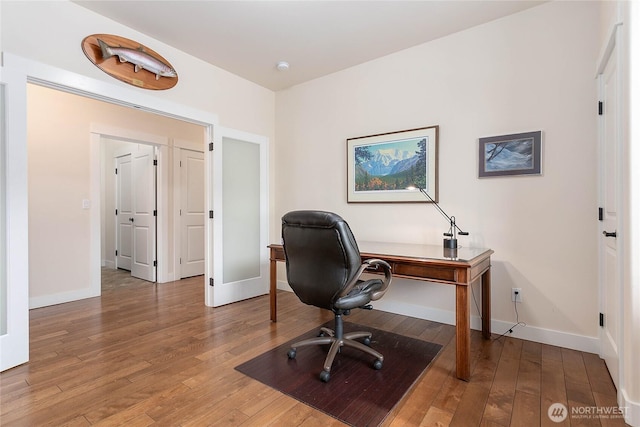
356	394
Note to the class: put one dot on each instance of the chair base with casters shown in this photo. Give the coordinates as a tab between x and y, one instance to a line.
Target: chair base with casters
338	339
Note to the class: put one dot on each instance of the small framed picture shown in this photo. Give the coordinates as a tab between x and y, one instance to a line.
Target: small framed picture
508	155
390	167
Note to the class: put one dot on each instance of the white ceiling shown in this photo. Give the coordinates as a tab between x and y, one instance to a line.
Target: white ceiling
248	38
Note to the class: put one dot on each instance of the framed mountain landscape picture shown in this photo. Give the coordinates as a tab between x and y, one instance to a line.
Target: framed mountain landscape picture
517	154
389	167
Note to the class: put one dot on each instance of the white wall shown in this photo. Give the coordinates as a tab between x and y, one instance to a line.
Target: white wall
51	32
527	72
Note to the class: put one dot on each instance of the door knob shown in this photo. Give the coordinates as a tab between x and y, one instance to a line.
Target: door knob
131	219
608	234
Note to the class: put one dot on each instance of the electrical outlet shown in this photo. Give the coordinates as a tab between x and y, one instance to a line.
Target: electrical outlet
516	294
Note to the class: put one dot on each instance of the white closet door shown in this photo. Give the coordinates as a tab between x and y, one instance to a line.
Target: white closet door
144	219
610	265
192	213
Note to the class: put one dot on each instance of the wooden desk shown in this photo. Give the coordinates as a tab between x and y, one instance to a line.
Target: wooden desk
432	264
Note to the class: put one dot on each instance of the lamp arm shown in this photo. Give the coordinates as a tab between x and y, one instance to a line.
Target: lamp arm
451	220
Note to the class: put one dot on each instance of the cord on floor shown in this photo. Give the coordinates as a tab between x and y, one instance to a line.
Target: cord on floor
518	322
508	331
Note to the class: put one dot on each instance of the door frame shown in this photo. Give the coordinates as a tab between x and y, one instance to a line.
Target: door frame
16	73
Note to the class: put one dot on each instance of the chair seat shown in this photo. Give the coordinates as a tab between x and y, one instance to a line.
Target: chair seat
359	296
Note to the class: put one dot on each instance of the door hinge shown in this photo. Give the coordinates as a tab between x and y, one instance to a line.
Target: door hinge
210	281
116	211
211	146
155	212
600	214
155	263
210	214
155	162
600	108
180	260
116	252
602	319
180	163
116	171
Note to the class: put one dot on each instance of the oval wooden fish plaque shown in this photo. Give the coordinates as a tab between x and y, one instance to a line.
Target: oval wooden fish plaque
129	61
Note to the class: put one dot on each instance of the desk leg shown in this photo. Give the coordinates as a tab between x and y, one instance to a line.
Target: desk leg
463	333
273	289
486	304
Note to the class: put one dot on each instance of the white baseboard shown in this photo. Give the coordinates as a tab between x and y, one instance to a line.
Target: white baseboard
60	298
632	409
548	336
283	286
169	277
530	333
108	264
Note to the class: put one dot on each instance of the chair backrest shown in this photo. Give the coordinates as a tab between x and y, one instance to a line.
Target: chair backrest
321	255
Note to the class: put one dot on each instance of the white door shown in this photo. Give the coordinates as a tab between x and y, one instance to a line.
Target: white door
191	213
3	266
124	212
14	338
611	270
14	284
144	213
238	181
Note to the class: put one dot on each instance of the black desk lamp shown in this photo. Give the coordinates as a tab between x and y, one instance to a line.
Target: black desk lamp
454	230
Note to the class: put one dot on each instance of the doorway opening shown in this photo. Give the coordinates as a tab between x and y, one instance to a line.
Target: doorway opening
56	163
81	231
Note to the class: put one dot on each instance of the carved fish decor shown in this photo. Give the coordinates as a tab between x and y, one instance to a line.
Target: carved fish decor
129	61
138	58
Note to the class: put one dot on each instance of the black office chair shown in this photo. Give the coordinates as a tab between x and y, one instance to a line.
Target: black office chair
323	269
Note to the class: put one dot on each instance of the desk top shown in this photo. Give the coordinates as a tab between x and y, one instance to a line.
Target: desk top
417	251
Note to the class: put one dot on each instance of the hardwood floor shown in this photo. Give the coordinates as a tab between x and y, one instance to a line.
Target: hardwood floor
145	354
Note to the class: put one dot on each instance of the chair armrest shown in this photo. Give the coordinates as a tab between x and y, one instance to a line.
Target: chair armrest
387	276
366	264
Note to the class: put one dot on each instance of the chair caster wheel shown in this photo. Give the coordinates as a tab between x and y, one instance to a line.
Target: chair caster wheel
324	376
377	365
291	354
367	341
